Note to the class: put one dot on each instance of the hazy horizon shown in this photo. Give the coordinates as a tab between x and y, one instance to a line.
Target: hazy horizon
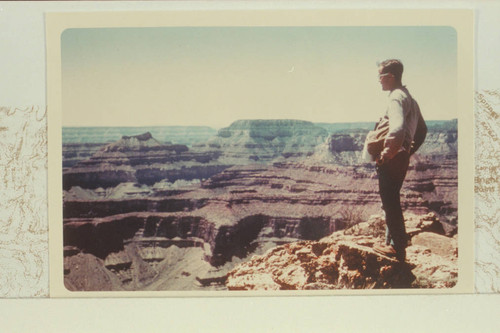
213	76
212	127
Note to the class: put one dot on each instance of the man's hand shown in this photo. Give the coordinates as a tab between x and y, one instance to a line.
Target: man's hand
412	148
380	160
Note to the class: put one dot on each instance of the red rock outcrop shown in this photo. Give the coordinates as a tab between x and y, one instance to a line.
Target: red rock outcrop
346	260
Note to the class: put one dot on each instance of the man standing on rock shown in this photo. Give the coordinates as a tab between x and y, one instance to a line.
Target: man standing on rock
407	131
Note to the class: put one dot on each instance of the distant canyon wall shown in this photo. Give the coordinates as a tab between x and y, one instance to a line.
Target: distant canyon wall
90	165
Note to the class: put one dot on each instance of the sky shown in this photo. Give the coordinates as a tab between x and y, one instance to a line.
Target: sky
213	76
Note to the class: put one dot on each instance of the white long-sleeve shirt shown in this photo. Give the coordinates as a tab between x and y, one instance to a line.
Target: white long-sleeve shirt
407	129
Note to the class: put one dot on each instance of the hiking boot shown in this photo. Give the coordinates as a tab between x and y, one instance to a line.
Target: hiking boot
390	251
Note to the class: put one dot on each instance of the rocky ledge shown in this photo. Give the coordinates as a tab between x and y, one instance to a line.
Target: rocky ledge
346	260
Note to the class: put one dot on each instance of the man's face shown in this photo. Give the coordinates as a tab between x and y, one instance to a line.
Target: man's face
387	80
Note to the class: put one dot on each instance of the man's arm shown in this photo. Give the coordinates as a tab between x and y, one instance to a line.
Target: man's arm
420	134
395	137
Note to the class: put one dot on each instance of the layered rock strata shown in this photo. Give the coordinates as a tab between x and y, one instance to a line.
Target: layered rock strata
143	160
265	140
231	215
76	152
344	147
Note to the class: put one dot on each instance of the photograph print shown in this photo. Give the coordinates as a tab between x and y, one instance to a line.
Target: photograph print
259	158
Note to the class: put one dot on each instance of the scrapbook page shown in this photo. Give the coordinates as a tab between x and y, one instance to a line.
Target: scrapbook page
220	153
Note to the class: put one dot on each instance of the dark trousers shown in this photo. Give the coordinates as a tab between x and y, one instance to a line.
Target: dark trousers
391	175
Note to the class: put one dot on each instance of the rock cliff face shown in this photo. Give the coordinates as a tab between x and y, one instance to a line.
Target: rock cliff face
440	144
345	148
76	152
143	160
144	215
230	216
265	140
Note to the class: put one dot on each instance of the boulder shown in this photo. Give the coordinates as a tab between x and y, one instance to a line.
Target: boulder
436	244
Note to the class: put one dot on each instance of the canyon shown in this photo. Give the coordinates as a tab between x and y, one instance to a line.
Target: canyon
140	214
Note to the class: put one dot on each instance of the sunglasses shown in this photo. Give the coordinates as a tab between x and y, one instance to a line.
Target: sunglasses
385	74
